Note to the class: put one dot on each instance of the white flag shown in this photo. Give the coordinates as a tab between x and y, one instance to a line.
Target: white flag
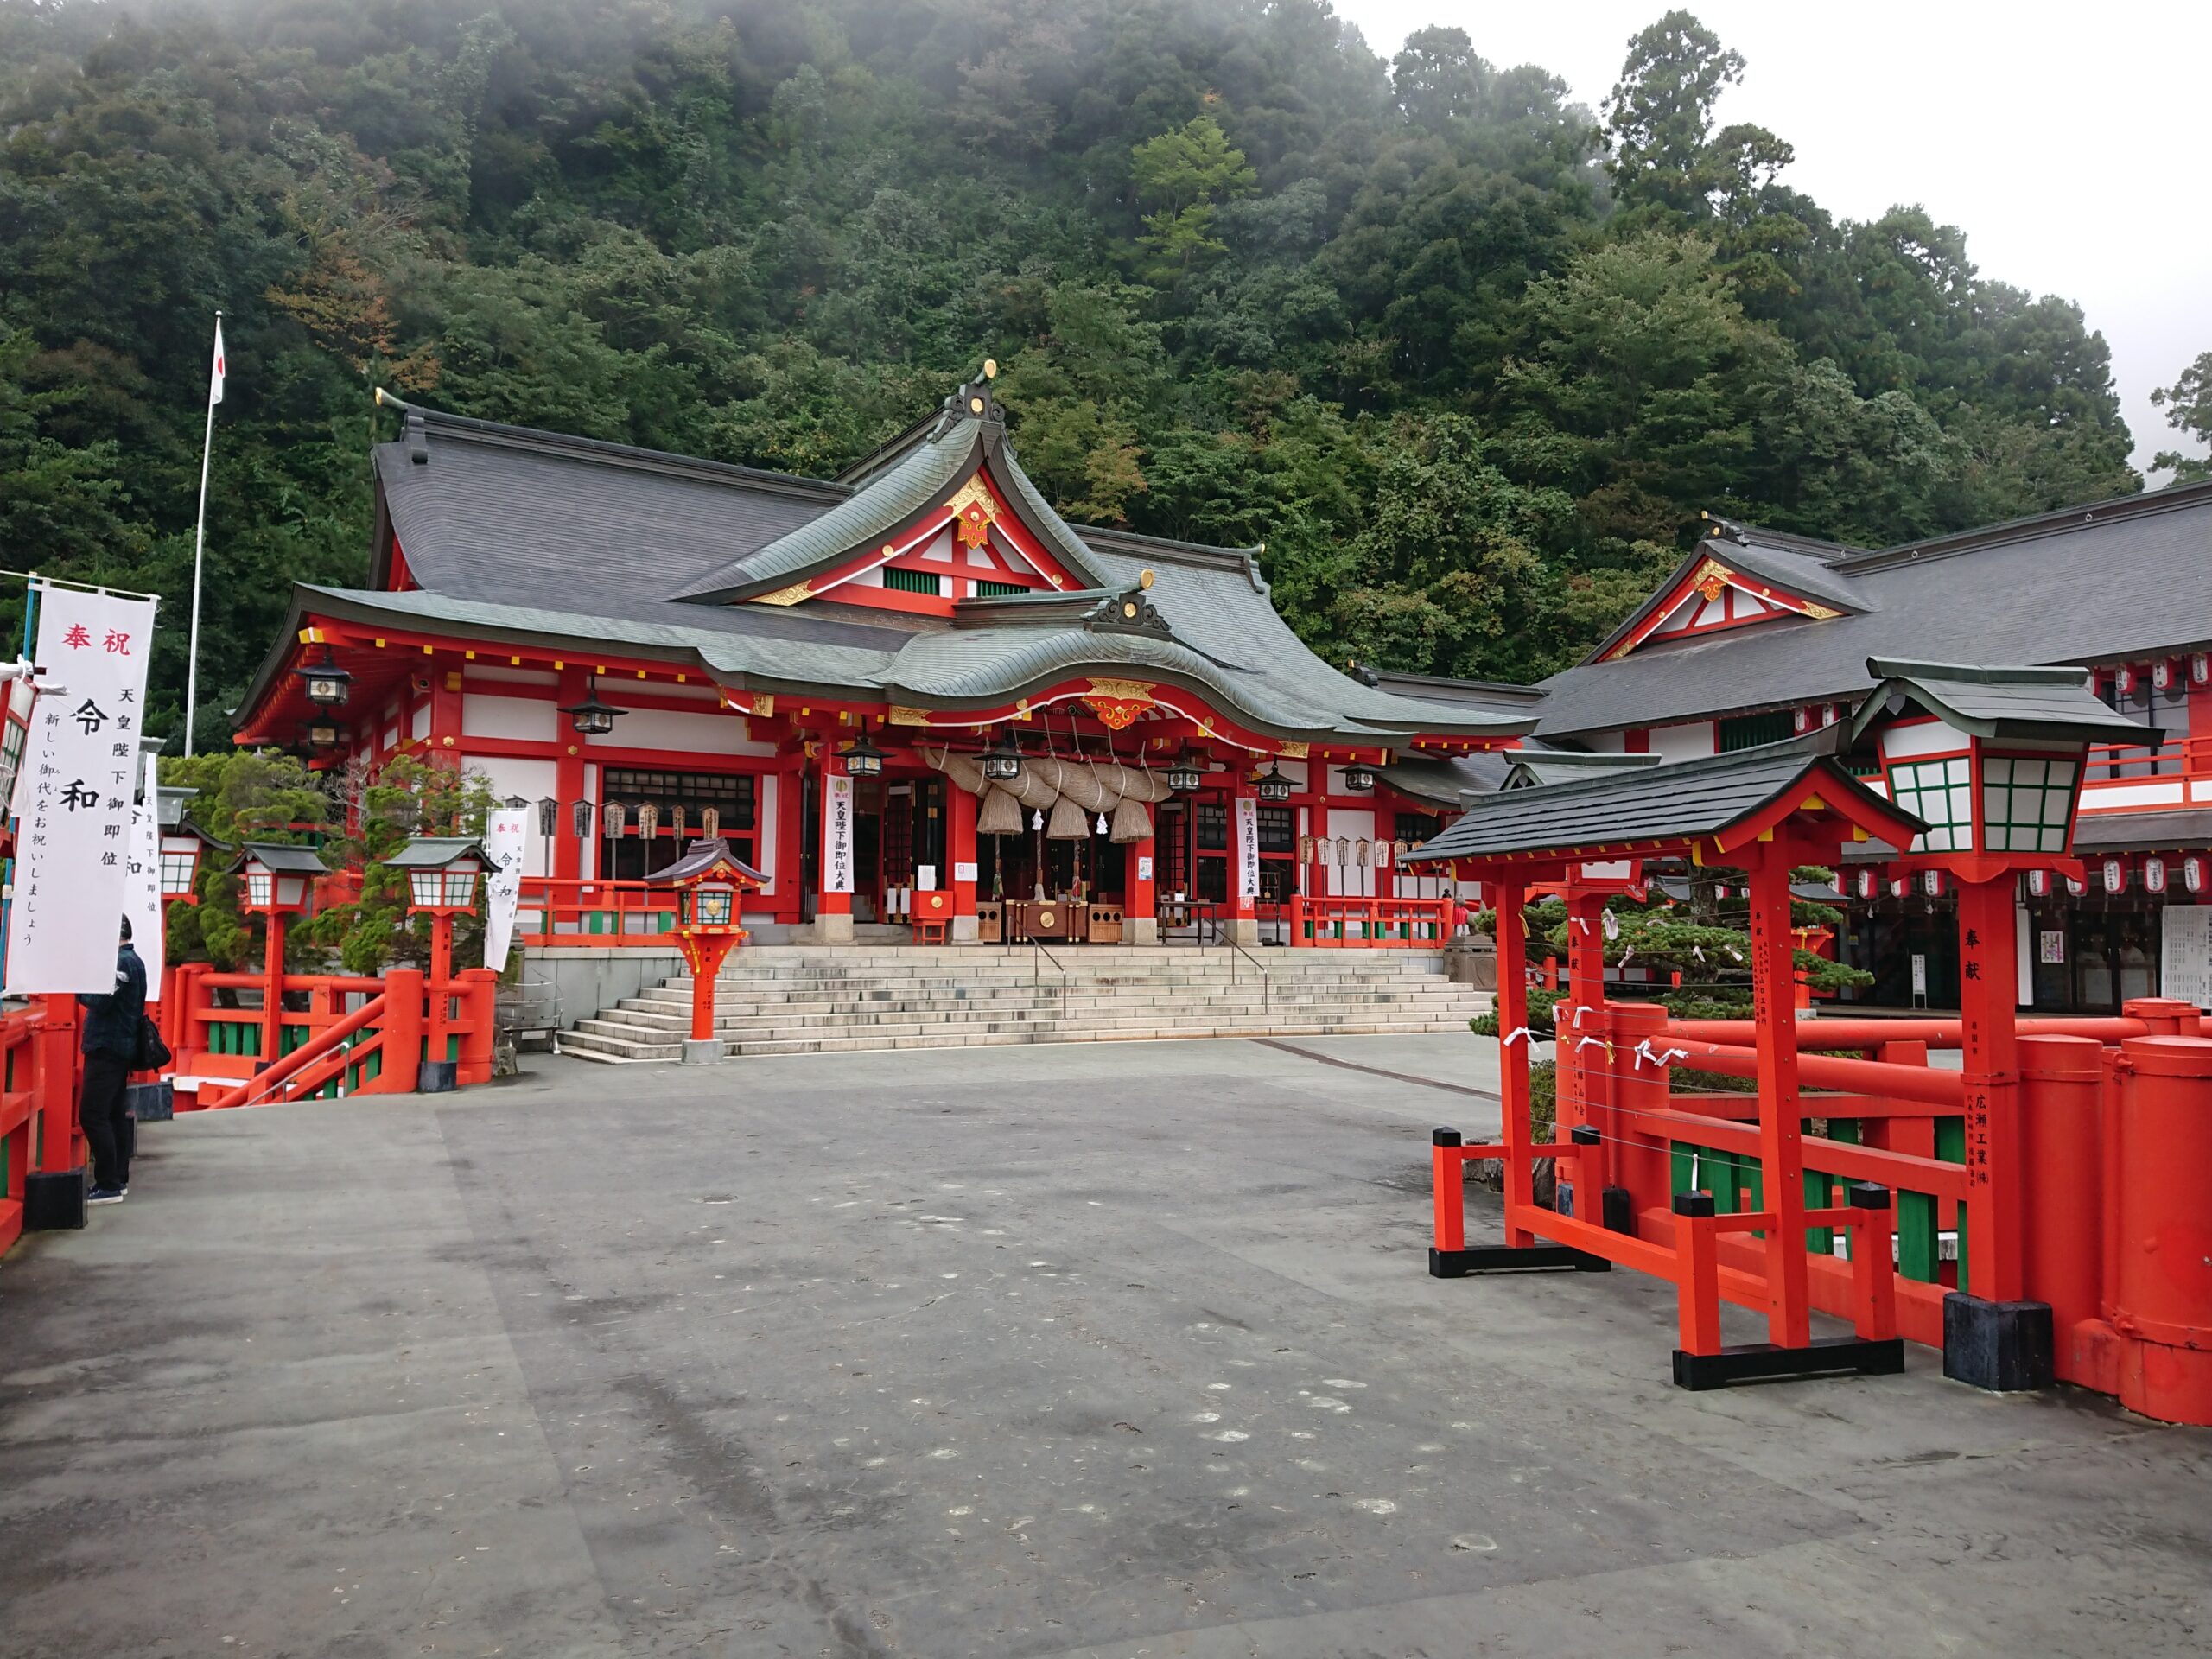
504	839
215	378
80	771
144	908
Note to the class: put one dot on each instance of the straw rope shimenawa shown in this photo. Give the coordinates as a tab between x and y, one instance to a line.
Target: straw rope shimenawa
1047	783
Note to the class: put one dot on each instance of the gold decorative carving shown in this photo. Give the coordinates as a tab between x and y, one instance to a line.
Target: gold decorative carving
901	715
764	705
973	492
1295	751
1134	690
790	595
1821	612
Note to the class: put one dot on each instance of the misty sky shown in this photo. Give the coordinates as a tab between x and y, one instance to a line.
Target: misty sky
2067	143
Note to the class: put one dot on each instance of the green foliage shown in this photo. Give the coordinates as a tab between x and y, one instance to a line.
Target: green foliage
255	795
1467	365
411	797
2188	403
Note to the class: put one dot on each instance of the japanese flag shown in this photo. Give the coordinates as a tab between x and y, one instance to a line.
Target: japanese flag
215	378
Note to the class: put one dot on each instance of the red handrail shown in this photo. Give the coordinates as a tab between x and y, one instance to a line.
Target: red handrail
262	1084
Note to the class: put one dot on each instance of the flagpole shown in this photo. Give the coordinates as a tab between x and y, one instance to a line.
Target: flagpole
199	546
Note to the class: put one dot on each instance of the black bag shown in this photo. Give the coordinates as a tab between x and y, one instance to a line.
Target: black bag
152	1054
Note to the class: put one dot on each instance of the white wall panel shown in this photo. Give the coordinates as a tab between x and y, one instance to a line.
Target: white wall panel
678	734
530	719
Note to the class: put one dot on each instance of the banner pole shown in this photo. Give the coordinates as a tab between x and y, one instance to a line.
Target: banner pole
199	546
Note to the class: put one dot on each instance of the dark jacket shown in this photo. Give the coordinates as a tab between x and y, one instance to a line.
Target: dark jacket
111	1021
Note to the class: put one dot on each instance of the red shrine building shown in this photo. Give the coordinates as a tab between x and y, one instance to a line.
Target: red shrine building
911	695
913	698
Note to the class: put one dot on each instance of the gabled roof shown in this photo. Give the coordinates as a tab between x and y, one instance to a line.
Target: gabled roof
1533	768
434	852
1663	806
702	858
2116	581
2007	704
284	857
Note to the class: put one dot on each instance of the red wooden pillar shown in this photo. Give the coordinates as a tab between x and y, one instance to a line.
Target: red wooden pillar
1781	1151
1140	893
790	840
568	784
960	853
441	988
54	1071
1581	1066
1989	996
1513	1057
272	995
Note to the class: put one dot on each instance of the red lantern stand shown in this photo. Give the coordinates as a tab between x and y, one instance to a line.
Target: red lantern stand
444	875
708	881
279	883
1764	812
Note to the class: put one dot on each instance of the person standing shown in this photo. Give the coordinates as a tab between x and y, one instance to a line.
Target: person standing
110	1045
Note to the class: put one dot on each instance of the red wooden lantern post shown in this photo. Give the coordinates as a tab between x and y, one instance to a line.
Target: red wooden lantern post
279	882
708	879
444	875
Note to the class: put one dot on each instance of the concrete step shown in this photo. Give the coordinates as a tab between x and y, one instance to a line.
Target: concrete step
600	1049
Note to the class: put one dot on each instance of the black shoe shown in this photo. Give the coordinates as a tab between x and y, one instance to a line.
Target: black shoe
105	1195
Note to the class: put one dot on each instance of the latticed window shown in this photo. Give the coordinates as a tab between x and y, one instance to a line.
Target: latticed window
1749	731
2024	804
1212	819
986	588
1942	792
911	582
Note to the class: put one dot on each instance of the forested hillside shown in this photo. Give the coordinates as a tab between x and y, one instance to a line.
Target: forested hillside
1468	360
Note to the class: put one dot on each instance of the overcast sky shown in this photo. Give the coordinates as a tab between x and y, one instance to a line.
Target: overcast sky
2066	143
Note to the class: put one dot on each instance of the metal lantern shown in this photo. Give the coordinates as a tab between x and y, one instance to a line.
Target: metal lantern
322	734
1273	787
327	685
1359	778
862	758
1002	760
279	879
592	717
443	873
1186	771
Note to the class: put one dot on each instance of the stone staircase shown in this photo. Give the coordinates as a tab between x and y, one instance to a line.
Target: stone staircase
808	999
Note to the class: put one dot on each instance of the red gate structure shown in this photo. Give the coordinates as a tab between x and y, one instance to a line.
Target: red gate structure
2051	1153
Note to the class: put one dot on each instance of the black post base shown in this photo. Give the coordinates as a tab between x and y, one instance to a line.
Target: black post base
54	1201
152	1103
2004	1347
1762	1362
437	1076
1505	1258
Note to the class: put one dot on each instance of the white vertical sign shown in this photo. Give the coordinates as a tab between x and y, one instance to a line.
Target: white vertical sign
1248	847
74	798
505	839
144	908
837	833
2185	942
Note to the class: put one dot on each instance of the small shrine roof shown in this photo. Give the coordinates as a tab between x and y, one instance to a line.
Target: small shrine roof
1688	800
702	857
2000	703
284	857
434	852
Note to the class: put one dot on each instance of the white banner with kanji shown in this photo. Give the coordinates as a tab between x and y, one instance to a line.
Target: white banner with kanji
837	833
1248	847
145	909
506	835
73	800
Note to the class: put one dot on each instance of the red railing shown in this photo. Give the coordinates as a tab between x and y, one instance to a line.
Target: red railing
2119	763
38	1101
565	911
1370	924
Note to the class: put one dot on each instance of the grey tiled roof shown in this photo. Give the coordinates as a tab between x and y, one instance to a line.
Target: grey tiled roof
2182	829
2005	703
2121	579
1687	799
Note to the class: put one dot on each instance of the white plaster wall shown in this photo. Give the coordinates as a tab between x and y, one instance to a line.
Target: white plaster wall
533	780
680	735
530	719
1682	742
1352	880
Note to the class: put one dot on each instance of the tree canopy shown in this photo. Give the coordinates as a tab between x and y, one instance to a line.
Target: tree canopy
1465	357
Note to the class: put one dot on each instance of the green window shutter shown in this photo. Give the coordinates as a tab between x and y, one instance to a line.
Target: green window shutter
1749	731
986	589
911	582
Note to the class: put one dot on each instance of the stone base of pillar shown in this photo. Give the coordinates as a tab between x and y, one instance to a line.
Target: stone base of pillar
1140	929
703	1050
1242	930
834	927
966	929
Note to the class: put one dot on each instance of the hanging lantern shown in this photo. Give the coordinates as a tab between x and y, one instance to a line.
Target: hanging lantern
1896	888
710	824
1186	771
2200	668
1002	760
862	758
1273	787
2115	875
1359	778
1866	884
2154	875
2078	888
2192	873
1931	883
2123	680
2040	884
2162	673
610	816
322	734
1803	718
592	717
327	685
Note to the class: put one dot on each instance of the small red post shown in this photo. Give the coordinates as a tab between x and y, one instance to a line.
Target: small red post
1989	999
1513	1059
404	993
1447	1183
60	1145
272	994
440	986
479	992
1874	1274
1781	1152
1697	1274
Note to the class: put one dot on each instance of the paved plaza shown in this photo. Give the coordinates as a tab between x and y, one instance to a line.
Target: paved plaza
1121	1350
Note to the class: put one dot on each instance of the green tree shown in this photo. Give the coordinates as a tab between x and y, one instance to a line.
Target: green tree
1184	176
2188	403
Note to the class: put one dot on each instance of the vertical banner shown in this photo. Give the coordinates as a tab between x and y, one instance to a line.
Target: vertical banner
505	832
80	774
1248	847
837	833
144	908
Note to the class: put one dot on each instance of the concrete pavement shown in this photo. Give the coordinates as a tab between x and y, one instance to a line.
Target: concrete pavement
1122	1349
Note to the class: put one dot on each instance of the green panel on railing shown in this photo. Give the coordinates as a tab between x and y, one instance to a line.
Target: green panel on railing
453	1047
1681	1161
1719	1174
1951	1147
